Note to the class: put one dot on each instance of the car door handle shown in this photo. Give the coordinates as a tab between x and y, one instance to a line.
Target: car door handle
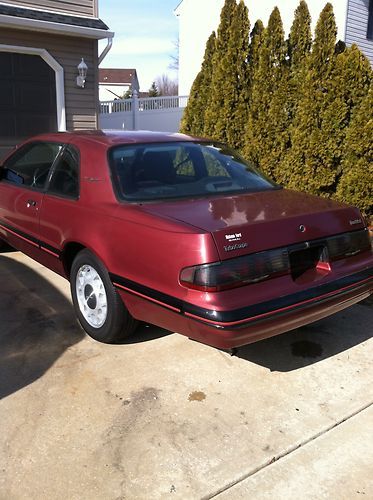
31	203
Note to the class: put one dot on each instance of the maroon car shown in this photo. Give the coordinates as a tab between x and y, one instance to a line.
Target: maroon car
182	233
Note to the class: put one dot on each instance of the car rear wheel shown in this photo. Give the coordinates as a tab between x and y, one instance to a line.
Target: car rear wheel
98	306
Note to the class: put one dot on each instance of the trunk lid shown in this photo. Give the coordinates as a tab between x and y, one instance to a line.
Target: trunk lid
253	222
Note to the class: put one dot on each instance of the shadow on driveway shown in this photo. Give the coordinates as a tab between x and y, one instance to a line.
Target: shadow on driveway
5	248
312	343
37	324
144	333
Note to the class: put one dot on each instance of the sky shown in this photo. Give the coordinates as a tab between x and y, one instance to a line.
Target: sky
145	36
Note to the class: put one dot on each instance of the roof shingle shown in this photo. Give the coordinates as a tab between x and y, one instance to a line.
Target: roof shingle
119	76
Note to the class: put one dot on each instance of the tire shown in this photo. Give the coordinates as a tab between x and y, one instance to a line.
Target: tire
97	304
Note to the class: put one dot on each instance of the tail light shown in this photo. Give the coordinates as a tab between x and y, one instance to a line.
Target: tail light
236	272
269	264
348	244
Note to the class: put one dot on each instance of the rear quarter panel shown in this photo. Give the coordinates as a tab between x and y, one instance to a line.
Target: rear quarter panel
145	248
152	251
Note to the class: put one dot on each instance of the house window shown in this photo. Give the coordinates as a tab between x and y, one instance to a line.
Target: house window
370	21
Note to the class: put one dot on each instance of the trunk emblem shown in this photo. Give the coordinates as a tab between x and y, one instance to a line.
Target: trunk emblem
355	221
236	246
302	228
233	241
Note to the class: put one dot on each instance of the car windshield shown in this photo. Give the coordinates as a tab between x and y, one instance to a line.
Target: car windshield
145	172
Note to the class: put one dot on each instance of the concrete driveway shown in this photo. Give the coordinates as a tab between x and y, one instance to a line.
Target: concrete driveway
165	417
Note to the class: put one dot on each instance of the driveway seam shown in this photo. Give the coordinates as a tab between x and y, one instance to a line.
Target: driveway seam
285	453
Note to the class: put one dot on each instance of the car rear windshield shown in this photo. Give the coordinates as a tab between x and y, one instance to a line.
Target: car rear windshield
146	172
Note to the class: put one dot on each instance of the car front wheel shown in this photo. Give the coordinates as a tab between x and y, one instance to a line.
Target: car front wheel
97	304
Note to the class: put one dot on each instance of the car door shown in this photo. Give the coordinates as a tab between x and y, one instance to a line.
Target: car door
22	186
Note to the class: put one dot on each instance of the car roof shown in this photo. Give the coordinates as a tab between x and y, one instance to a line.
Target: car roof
115	137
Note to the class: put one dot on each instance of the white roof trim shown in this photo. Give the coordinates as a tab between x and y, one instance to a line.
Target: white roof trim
50	27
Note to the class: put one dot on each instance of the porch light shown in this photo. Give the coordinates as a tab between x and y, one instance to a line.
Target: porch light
82	69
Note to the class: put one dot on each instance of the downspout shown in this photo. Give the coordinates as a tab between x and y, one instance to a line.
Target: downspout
106	50
101	57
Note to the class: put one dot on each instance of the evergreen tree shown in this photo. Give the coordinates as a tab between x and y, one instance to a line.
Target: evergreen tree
127	94
153	91
233	116
298	50
324	43
214	125
193	120
309	164
356	182
300	37
299	46
256	39
266	135
351	78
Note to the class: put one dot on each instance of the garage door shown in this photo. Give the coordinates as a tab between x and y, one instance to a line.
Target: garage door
27	98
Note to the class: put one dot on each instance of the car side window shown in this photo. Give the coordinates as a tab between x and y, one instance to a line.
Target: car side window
65	176
30	166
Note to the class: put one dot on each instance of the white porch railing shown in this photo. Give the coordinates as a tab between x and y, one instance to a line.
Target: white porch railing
149	113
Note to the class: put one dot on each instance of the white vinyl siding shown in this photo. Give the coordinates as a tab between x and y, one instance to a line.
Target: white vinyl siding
357	25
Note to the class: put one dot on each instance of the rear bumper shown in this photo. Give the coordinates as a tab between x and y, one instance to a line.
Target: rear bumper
233	328
280	321
301	301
